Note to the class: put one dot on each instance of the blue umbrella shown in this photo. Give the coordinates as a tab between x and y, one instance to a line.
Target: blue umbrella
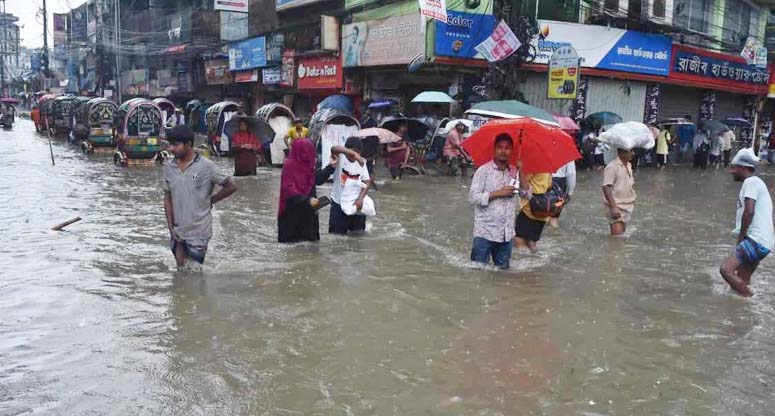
382	103
337	102
737	122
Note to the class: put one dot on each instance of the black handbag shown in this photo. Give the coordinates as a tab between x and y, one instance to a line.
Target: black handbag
549	203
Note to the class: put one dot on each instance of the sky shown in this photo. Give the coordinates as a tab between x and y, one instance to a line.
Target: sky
32	27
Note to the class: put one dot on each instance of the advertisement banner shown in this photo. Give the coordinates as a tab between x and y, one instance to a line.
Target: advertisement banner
606	48
287	68
434	9
241	6
459	35
771	88
246	76
319	72
749	50
247	54
271	76
274	47
716	67
60	22
288	4
78	28
468	6
563	74
394	40
234	26
35	64
501	44
217	72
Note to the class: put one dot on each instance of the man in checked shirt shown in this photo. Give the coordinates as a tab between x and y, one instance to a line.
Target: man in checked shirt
493	195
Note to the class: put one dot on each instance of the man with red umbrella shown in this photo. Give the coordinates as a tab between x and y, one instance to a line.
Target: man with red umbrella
493	197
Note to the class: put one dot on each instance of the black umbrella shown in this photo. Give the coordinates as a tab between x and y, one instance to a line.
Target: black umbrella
260	128
715	127
415	128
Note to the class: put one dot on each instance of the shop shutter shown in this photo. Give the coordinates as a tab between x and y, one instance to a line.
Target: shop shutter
626	98
729	105
678	101
534	90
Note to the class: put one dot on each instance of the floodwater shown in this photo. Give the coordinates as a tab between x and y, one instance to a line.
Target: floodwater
96	320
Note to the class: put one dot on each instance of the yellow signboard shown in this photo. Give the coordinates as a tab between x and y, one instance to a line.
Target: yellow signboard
563	74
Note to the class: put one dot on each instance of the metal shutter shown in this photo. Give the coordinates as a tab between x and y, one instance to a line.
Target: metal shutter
604	94
678	101
728	105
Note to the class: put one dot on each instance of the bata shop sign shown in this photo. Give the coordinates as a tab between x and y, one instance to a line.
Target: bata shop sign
319	72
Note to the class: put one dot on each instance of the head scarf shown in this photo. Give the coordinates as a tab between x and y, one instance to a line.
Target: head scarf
298	176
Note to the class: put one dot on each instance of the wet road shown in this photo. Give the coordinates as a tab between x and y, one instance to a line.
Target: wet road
95	320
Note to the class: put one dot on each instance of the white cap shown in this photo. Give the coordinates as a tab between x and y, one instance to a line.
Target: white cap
745	157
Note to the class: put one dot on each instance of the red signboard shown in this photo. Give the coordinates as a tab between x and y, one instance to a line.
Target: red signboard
287	67
250	75
319	72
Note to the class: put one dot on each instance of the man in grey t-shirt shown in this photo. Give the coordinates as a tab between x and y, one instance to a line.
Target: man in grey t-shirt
189	180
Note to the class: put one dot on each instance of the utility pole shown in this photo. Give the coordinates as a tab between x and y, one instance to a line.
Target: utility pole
44	55
118	50
4	40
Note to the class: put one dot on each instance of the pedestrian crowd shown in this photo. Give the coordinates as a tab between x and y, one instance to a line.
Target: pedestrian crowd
511	207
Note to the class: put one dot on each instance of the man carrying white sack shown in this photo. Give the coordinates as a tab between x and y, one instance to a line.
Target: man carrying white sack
618	181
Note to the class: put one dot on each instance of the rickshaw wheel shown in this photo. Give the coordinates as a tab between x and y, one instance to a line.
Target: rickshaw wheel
414	169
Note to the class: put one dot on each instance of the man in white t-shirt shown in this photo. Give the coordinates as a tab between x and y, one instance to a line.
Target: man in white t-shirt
753	224
351	167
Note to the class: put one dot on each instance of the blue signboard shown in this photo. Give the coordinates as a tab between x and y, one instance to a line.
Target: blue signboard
461	33
247	54
687	62
639	52
35	62
78	24
607	48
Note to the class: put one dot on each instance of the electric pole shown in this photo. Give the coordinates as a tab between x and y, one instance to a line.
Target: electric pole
44	56
118	50
2	70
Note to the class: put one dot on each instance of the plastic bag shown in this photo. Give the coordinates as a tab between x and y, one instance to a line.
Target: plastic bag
628	136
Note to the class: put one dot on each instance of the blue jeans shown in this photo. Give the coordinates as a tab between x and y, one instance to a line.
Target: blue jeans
483	249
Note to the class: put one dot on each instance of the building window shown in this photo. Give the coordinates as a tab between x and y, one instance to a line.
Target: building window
612	5
738	21
659	8
691	14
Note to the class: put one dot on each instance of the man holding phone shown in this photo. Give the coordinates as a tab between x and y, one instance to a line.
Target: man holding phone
493	195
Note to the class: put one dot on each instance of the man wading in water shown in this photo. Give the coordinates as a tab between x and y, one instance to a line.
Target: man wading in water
619	191
189	180
753	224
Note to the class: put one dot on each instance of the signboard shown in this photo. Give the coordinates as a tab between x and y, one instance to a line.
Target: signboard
771	89
713	67
78	28
468	6
246	76
501	44
287	68
217	72
563	74
390	41
460	34
288	4
247	54
274	47
35	64
606	48
749	50
271	76
60	22
234	26
319	72
434	9
760	60
241	6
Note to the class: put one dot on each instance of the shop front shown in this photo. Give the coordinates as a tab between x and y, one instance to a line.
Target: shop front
317	77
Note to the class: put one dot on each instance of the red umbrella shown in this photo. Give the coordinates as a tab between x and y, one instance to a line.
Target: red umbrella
9	101
567	124
539	147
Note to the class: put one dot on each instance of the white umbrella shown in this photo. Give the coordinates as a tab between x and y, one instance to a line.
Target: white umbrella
433	97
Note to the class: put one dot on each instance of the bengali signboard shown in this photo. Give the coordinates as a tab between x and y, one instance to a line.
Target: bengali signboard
319	72
271	76
459	35
501	44
606	48
217	72
390	41
250	75
274	47
563	74
434	9
247	54
241	6
287	67
716	67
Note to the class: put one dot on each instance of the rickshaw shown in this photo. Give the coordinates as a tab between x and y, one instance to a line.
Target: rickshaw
79	130
40	114
280	118
167	108
7	112
329	127
138	127
97	117
61	115
215	117
419	134
195	116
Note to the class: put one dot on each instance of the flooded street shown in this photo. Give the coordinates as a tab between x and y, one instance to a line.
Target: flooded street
96	320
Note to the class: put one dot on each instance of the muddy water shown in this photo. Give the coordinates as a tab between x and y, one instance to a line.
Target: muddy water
96	320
